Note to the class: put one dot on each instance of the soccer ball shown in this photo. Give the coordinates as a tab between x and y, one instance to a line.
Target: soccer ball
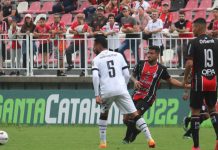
3	137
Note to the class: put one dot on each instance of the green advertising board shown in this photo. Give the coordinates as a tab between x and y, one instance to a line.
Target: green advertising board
79	107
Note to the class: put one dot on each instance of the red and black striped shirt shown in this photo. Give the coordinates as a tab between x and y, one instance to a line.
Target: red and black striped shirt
150	77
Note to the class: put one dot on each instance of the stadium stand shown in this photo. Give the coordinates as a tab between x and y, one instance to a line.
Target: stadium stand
193	10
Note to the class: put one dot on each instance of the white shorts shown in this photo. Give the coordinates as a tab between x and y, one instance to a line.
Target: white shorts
124	103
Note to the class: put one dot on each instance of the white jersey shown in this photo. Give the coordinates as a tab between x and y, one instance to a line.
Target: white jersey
113	74
157	37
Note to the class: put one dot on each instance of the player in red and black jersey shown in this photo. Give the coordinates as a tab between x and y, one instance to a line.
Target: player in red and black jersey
201	58
146	77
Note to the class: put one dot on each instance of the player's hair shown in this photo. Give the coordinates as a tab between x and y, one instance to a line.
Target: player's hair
181	13
201	21
101	40
111	15
156	48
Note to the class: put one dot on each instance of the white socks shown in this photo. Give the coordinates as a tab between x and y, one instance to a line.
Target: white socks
102	130
140	123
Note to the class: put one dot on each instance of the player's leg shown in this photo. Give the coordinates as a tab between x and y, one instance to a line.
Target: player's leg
142	106
211	99
196	102
103	122
126	105
203	116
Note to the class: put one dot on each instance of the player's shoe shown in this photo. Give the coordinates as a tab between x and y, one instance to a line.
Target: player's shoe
185	123
134	135
193	148
103	145
125	141
151	143
187	136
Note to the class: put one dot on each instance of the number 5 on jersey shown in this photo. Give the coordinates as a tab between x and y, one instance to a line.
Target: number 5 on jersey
110	66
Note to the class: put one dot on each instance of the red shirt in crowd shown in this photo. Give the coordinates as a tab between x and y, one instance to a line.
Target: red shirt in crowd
74	25
167	19
43	29
57	27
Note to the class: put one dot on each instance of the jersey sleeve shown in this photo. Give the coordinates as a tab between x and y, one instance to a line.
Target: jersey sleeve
190	50
95	77
95	65
135	70
165	74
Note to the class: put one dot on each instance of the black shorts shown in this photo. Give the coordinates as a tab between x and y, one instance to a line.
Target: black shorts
197	99
143	105
44	48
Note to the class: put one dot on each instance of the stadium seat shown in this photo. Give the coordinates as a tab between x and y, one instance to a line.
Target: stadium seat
50	19
204	5
215	4
192	4
67	18
200	14
175	16
130	58
34	7
38	17
188	15
22	7
21	22
82	7
47	6
210	17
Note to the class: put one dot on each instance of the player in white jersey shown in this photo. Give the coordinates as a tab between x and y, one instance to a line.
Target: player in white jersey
110	77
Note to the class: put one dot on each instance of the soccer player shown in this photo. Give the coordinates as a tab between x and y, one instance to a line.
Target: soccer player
146	77
201	58
110	78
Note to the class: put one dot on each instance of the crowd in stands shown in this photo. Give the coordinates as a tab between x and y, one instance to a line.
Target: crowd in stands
97	18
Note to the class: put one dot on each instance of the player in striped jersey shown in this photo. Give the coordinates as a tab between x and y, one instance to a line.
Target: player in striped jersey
146	77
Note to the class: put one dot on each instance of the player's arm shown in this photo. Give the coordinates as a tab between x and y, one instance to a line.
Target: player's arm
175	82
96	82
189	62
125	69
137	84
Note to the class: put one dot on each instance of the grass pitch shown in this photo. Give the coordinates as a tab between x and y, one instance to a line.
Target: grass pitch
87	138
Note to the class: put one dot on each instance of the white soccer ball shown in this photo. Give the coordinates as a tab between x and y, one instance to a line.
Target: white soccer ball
79	28
3	137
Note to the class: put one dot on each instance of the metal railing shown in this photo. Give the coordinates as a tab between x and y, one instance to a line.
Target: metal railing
46	56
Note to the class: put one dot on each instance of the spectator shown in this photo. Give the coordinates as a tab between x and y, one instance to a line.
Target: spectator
184	28
10	10
112	7
64	6
3	30
111	30
213	26
141	3
166	16
27	28
98	22
58	29
78	28
13	33
102	2
142	18
154	29
42	33
129	26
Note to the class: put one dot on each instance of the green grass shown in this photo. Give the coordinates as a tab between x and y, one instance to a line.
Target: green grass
87	138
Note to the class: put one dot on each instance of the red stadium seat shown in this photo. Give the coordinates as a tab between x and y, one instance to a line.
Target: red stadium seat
47	6
67	18
204	5
175	16
50	19
130	58
200	14
34	7
82	7
188	15
210	17
192	4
